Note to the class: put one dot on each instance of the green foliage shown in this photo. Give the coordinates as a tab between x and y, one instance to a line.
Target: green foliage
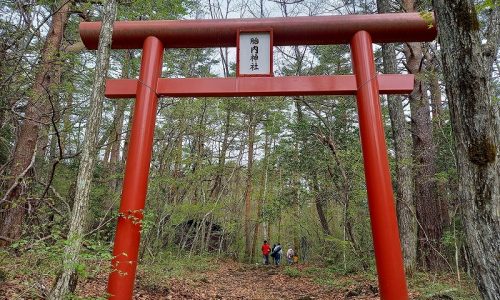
291	271
332	278
6	141
340	256
154	271
35	261
154	10
426	286
487	5
428	17
432	286
333	59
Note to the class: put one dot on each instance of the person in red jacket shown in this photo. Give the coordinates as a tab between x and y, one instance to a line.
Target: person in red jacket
265	252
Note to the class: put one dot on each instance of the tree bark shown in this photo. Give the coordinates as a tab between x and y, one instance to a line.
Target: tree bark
12	203
198	148
475	120
402	146
434	86
430	229
249	185
89	154
318	201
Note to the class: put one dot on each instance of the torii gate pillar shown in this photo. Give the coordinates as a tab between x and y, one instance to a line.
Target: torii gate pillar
388	258
135	183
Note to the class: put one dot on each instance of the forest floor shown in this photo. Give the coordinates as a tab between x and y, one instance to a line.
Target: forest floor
233	280
229	280
223	279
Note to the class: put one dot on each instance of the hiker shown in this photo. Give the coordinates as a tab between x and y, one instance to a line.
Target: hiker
289	256
273	254
265	252
278	253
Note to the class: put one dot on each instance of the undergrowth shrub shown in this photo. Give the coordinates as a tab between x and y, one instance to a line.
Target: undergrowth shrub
292	272
155	270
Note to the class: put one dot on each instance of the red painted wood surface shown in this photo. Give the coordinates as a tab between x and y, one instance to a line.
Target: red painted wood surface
319	30
388	258
135	184
260	86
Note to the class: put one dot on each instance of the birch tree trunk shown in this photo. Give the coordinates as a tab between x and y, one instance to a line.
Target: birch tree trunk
402	146
89	154
475	122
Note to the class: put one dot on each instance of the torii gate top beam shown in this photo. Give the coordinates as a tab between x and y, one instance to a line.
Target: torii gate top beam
321	30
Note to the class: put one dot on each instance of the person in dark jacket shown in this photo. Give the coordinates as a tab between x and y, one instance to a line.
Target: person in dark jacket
277	253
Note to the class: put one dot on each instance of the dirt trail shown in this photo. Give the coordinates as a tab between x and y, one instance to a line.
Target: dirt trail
237	281
230	280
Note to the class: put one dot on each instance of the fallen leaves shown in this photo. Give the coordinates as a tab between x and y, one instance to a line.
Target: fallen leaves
231	280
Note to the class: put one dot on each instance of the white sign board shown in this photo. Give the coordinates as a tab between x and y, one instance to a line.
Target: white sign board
254	54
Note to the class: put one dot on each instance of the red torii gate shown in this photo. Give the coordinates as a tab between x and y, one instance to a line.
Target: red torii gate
357	30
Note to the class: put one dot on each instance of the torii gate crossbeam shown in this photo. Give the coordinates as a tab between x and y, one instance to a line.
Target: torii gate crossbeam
357	30
260	86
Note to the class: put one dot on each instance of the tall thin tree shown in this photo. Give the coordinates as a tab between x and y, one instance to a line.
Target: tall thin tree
63	284
36	117
427	205
252	124
402	146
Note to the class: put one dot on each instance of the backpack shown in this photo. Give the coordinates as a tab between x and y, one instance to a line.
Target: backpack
276	250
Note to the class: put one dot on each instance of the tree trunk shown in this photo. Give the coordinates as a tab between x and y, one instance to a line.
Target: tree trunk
67	123
476	129
114	161
52	109
402	146
434	86
430	229
345	188
177	172
88	157
249	186
12	204
216	189
442	187
260	199
295	178
319	206
197	152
